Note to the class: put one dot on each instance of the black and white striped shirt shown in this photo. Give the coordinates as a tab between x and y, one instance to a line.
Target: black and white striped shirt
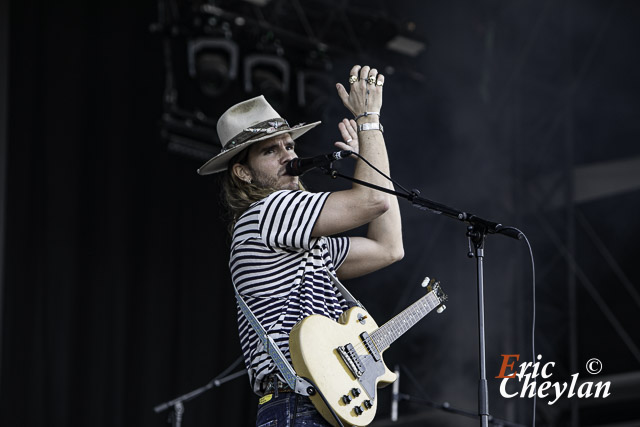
281	272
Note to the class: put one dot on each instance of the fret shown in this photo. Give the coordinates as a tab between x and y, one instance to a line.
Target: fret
394	328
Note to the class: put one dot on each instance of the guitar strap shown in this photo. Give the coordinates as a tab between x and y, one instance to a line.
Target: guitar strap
298	384
351	301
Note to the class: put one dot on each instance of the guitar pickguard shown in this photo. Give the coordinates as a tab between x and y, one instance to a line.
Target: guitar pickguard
373	370
365	368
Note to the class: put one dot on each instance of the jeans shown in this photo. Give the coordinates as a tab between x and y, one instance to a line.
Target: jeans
289	410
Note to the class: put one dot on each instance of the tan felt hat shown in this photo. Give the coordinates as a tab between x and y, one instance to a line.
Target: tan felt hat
246	123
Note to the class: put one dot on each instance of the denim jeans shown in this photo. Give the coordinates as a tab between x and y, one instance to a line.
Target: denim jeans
289	410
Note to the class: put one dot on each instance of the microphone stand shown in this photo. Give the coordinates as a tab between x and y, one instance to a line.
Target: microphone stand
477	231
175	418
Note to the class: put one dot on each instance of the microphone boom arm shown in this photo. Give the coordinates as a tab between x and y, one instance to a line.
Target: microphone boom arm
435	207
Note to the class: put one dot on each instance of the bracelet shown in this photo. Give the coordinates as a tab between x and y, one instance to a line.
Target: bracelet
370	126
367	113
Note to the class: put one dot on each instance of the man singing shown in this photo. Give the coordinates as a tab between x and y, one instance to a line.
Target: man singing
282	254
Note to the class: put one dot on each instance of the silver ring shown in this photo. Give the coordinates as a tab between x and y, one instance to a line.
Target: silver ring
349	140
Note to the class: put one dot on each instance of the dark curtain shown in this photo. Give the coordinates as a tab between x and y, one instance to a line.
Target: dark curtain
117	290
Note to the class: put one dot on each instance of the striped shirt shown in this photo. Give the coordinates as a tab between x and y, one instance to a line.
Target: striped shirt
281	272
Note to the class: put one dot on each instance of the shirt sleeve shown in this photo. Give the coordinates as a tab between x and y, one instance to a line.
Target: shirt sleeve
338	248
288	217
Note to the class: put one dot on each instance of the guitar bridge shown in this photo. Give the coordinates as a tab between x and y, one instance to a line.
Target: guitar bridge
352	360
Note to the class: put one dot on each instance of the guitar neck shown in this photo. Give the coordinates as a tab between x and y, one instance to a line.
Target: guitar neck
384	336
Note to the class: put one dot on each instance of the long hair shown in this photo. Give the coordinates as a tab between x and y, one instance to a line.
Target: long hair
237	195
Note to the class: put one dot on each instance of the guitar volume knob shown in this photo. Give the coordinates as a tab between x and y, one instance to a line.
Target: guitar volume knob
367	404
358	410
346	399
355	392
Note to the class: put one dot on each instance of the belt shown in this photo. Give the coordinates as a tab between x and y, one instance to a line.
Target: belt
275	386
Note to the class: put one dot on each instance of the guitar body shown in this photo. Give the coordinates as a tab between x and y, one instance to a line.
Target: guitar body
314	343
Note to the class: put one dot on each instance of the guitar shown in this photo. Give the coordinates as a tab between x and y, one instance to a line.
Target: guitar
344	358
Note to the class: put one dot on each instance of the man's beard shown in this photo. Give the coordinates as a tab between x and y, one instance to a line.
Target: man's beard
268	181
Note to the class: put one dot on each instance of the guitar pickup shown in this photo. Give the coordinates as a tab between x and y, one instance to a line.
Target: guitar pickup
352	360
371	347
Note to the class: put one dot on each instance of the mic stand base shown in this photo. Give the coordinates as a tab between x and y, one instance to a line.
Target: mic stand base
175	417
446	407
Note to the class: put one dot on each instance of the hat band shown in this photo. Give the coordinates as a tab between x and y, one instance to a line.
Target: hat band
259	129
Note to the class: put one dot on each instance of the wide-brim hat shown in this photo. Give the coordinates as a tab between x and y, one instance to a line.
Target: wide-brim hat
247	123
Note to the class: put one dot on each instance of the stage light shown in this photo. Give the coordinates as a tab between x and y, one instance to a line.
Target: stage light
314	90
406	41
405	46
213	63
268	75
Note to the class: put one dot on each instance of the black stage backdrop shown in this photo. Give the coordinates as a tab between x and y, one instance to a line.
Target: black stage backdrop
110	263
117	294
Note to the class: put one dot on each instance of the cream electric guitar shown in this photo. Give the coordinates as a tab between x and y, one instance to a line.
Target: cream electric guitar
344	359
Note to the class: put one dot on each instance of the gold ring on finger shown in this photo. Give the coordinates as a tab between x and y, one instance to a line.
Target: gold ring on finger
371	80
352	79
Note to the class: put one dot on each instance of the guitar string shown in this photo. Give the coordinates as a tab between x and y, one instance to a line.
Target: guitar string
398	327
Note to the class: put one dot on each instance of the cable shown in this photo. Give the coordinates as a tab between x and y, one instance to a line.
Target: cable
533	319
324	400
380	172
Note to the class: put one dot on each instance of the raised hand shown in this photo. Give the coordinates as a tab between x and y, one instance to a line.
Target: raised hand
365	92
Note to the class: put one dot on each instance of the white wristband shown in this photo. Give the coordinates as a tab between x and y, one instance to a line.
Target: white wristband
370	126
367	113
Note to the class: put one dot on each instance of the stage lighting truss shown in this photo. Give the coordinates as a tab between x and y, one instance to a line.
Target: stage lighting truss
190	134
315	93
213	63
312	86
233	53
267	74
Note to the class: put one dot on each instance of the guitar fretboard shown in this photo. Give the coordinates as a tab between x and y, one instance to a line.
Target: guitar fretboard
384	336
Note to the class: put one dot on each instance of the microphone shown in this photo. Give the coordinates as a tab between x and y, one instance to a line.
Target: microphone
298	166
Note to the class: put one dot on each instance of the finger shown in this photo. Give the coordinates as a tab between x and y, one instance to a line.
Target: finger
344	131
364	72
373	72
351	127
342	146
380	81
342	93
355	70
